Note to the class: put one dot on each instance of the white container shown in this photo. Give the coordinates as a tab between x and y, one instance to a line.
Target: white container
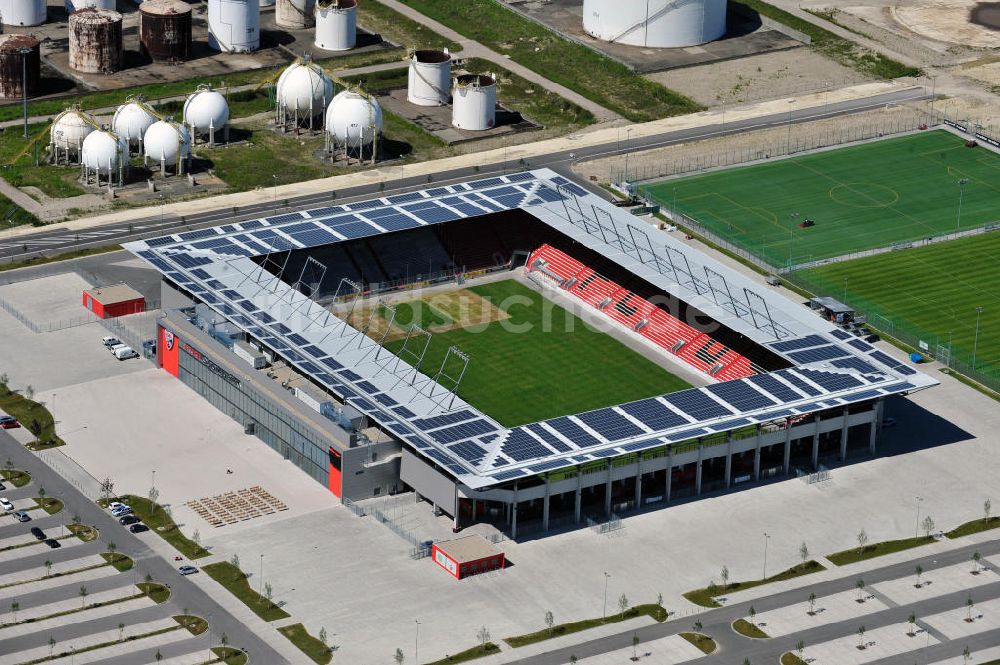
70	128
22	12
252	356
353	119
167	142
73	5
206	111
656	23
295	14
303	91
132	119
474	102
234	25
429	81
104	152
336	24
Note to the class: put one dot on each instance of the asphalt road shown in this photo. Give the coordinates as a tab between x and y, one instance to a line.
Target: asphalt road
734	648
184	594
162	222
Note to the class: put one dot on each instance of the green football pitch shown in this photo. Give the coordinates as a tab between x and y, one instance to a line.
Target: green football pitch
861	197
932	292
536	361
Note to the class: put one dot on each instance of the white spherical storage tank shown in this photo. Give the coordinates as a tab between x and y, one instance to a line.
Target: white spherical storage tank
104	154
303	92
73	5
336	24
429	80
132	119
234	25
167	143
22	12
353	119
69	129
205	112
474	102
656	23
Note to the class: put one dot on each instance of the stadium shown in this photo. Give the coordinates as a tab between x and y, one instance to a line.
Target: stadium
515	350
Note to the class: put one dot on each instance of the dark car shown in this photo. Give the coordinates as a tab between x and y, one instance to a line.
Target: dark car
873	338
53	543
38	533
9	422
128	519
2	487
138	528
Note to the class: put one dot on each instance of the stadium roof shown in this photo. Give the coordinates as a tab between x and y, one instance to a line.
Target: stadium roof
831	367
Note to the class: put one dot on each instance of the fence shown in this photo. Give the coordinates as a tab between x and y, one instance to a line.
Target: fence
62	324
418	548
821	475
613	523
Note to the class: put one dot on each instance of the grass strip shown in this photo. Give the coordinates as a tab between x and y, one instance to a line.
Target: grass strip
102	645
487	649
747	629
228	656
651	610
790	658
158	593
307	644
120	562
706	596
597	77
235	581
399	29
54	258
703	642
49	505
833	46
156	518
856	554
30	414
45	577
72	611
15	477
975	385
975	526
84	532
194	624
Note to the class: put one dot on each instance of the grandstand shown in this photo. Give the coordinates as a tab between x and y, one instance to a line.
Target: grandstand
782	388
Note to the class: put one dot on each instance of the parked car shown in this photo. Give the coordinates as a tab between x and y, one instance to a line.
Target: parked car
873	338
187	570
9	422
110	341
128	520
38	533
121	511
138	528
22	516
115	504
53	543
6	504
125	352
2	487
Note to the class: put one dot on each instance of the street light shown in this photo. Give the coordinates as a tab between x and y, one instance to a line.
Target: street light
961	195
628	143
975	341
604	612
274	190
791	237
416	644
916	530
260	586
766	539
25	52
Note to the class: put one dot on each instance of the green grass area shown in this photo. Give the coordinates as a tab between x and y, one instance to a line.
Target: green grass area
975	526
307	644
15	477
747	629
975	385
929	292
235	581
860	197
477	651
706	596
160	523
703	642
49	505
84	532
158	593
520	367
30	414
790	658
398	29
54	181
194	624
596	77
64	256
651	610
856	554
229	656
833	46
119	561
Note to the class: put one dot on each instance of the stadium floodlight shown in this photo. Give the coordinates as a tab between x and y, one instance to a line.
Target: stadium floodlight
961	194
791	235
975	342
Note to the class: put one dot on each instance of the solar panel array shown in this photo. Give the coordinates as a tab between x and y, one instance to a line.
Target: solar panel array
455	435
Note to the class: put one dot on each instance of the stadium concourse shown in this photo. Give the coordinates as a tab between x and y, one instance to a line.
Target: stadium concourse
256	321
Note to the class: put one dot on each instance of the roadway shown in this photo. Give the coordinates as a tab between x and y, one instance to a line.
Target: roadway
161	222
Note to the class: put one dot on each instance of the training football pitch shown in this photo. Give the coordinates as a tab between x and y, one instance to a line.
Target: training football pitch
932	292
529	358
861	197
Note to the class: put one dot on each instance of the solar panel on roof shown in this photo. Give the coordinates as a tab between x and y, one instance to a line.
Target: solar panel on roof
904	370
510	200
774	387
800	343
548	437
385	400
356	230
200	274
404	412
444	419
367	386
520	446
465	430
885	359
798	383
741	395
468	451
397	222
296	338
324	212
251	224
861	346
609	424
349	375
730	424
331	363
405	198
828	380
314	351
211	243
508	475
523	176
697	405
818	354
159	242
282	328
265	317
573	432
434	215
548	195
481	184
281	219
195	235
688	434
366	205
841	334
548	466
653	415
468	209
853	363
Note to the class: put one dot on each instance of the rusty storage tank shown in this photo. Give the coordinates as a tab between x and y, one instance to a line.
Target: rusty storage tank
95	41
165	30
12	65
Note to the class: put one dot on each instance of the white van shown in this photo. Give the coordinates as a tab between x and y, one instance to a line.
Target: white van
125	352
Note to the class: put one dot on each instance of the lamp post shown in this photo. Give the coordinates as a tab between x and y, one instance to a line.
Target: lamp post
274	191
604	612
961	195
916	529
416	644
766	539
260	585
975	341
628	144
152	483
791	235
24	51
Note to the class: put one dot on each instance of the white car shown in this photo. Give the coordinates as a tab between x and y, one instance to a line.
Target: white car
115	504
110	341
6	504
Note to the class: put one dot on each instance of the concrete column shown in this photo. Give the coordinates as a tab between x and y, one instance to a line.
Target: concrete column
876	426
788	447
545	504
729	459
815	452
697	473
578	499
638	483
607	492
843	437
756	456
513	515
670	472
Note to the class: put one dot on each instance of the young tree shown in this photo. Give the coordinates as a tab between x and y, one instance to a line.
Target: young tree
41	496
268	593
107	489
966	655
224	640
153	494
48	568
484	636
112	548
969	604
713	590
800	646
121	632
14	607
697	626
623	604
928	525
323	636
398	657
860	586
987	509
862	540
812	604
572	656
861	636
549	620
724	576
29	392
635	647
804	552
52	645
752	613
235	561
83	596
912	620
976	556
196	537
158	656
919	570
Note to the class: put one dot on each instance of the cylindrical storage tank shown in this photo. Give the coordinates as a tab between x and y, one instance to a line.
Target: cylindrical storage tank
474	102
656	23
303	92
95	41
234	25
336	24
167	143
429	80
353	119
165	30
22	12
266	3
20	62
206	111
132	119
295	14
73	5
104	152
69	130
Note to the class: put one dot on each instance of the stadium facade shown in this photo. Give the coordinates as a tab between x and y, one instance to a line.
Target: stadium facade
785	391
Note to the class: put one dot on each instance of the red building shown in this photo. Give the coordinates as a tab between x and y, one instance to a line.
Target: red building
469	555
114	300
